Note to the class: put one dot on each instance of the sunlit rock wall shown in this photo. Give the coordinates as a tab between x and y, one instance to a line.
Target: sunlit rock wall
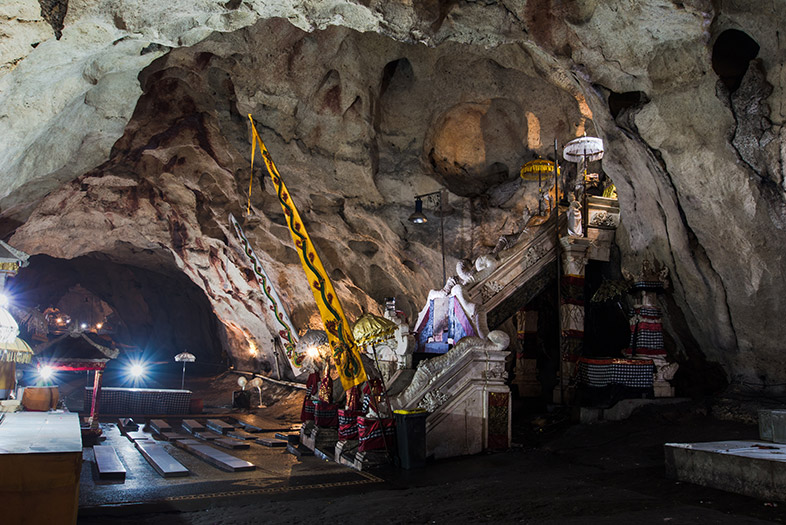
128	136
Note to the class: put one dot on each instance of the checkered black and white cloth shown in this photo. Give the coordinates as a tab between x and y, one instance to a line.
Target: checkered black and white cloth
143	401
628	372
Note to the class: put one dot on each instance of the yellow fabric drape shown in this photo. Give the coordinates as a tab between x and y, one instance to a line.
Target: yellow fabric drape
345	351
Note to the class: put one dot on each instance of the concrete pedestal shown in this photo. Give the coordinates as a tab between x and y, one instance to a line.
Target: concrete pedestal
753	468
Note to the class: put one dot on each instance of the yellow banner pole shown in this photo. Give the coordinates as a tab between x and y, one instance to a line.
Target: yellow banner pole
345	350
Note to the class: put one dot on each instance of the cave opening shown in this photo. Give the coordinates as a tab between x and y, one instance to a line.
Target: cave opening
150	315
732	52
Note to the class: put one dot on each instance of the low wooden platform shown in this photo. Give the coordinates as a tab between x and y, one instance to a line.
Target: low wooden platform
222	427
241	434
268	442
160	426
215	457
174	436
192	425
108	463
232	444
207	435
160	460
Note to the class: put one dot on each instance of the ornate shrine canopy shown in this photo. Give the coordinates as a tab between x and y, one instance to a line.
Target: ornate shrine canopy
77	351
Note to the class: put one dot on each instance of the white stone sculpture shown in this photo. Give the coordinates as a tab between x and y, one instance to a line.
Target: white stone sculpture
574	219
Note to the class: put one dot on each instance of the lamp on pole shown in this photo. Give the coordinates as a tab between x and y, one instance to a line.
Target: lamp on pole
439	198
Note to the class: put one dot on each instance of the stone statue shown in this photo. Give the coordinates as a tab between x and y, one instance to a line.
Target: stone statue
575	228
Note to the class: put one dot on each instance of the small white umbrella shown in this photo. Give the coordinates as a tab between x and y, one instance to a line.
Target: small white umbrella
184	357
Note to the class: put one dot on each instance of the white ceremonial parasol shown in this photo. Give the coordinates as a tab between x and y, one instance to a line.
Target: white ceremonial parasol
583	148
184	357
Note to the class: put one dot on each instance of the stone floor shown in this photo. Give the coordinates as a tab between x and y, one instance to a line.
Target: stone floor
144	490
557	472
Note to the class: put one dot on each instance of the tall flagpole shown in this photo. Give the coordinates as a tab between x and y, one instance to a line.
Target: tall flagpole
559	287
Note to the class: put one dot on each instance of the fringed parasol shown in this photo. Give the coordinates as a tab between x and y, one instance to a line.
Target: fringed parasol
16	351
585	149
370	328
184	357
535	169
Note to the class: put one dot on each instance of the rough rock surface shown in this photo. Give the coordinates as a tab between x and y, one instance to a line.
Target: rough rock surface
128	137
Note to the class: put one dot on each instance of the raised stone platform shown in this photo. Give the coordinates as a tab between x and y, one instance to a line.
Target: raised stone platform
753	468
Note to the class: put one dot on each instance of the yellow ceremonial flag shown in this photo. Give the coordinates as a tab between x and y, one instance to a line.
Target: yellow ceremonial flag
345	351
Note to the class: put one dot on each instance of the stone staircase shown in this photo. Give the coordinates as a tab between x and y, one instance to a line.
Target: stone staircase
524	270
465	393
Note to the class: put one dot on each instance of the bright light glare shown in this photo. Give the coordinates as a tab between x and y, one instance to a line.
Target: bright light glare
136	370
46	372
252	348
99	326
312	352
4	299
83	326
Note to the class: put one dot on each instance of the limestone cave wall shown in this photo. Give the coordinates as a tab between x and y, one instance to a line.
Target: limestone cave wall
128	137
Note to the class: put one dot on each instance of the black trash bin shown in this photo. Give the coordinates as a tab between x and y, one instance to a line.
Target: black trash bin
411	437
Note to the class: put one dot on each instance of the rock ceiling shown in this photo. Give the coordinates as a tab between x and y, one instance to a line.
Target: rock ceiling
126	140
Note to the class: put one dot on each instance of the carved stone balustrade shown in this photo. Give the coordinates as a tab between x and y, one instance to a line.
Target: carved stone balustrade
465	393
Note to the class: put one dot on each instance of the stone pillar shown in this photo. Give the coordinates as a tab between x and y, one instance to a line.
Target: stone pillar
574	261
526	370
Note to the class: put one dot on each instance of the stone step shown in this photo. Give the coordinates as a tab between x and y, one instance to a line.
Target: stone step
222	427
109	465
160	426
752	468
772	425
192	425
160	460
215	457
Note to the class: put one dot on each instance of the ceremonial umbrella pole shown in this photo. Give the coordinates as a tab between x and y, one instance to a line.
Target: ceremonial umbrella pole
370	329
184	357
559	277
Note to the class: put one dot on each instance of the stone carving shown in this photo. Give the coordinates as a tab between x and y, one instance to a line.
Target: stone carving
490	289
432	400
603	219
430	371
496	371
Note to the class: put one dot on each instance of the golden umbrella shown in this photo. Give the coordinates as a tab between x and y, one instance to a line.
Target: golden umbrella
17	351
371	328
535	169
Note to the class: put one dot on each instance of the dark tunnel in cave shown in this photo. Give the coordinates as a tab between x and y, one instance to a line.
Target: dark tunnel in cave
151	315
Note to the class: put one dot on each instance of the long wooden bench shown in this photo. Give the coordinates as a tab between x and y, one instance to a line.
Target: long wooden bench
108	464
160	460
215	457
